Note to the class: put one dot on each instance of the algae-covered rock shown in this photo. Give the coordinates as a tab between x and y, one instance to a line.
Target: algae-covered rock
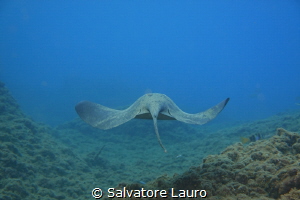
268	169
40	162
33	165
9	108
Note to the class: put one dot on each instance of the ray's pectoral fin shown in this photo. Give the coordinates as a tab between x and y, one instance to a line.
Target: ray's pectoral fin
202	117
103	117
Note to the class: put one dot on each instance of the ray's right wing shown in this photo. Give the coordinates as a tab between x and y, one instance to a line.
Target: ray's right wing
199	118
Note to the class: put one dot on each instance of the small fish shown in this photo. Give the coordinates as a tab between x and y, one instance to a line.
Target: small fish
178	156
253	138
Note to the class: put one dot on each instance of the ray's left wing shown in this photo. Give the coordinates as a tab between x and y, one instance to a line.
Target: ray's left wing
103	117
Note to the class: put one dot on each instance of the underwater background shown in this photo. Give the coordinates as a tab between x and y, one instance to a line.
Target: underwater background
55	54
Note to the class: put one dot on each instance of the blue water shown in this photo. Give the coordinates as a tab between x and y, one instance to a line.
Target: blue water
54	54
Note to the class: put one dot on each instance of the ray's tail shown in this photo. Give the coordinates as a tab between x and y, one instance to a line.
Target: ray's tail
157	134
